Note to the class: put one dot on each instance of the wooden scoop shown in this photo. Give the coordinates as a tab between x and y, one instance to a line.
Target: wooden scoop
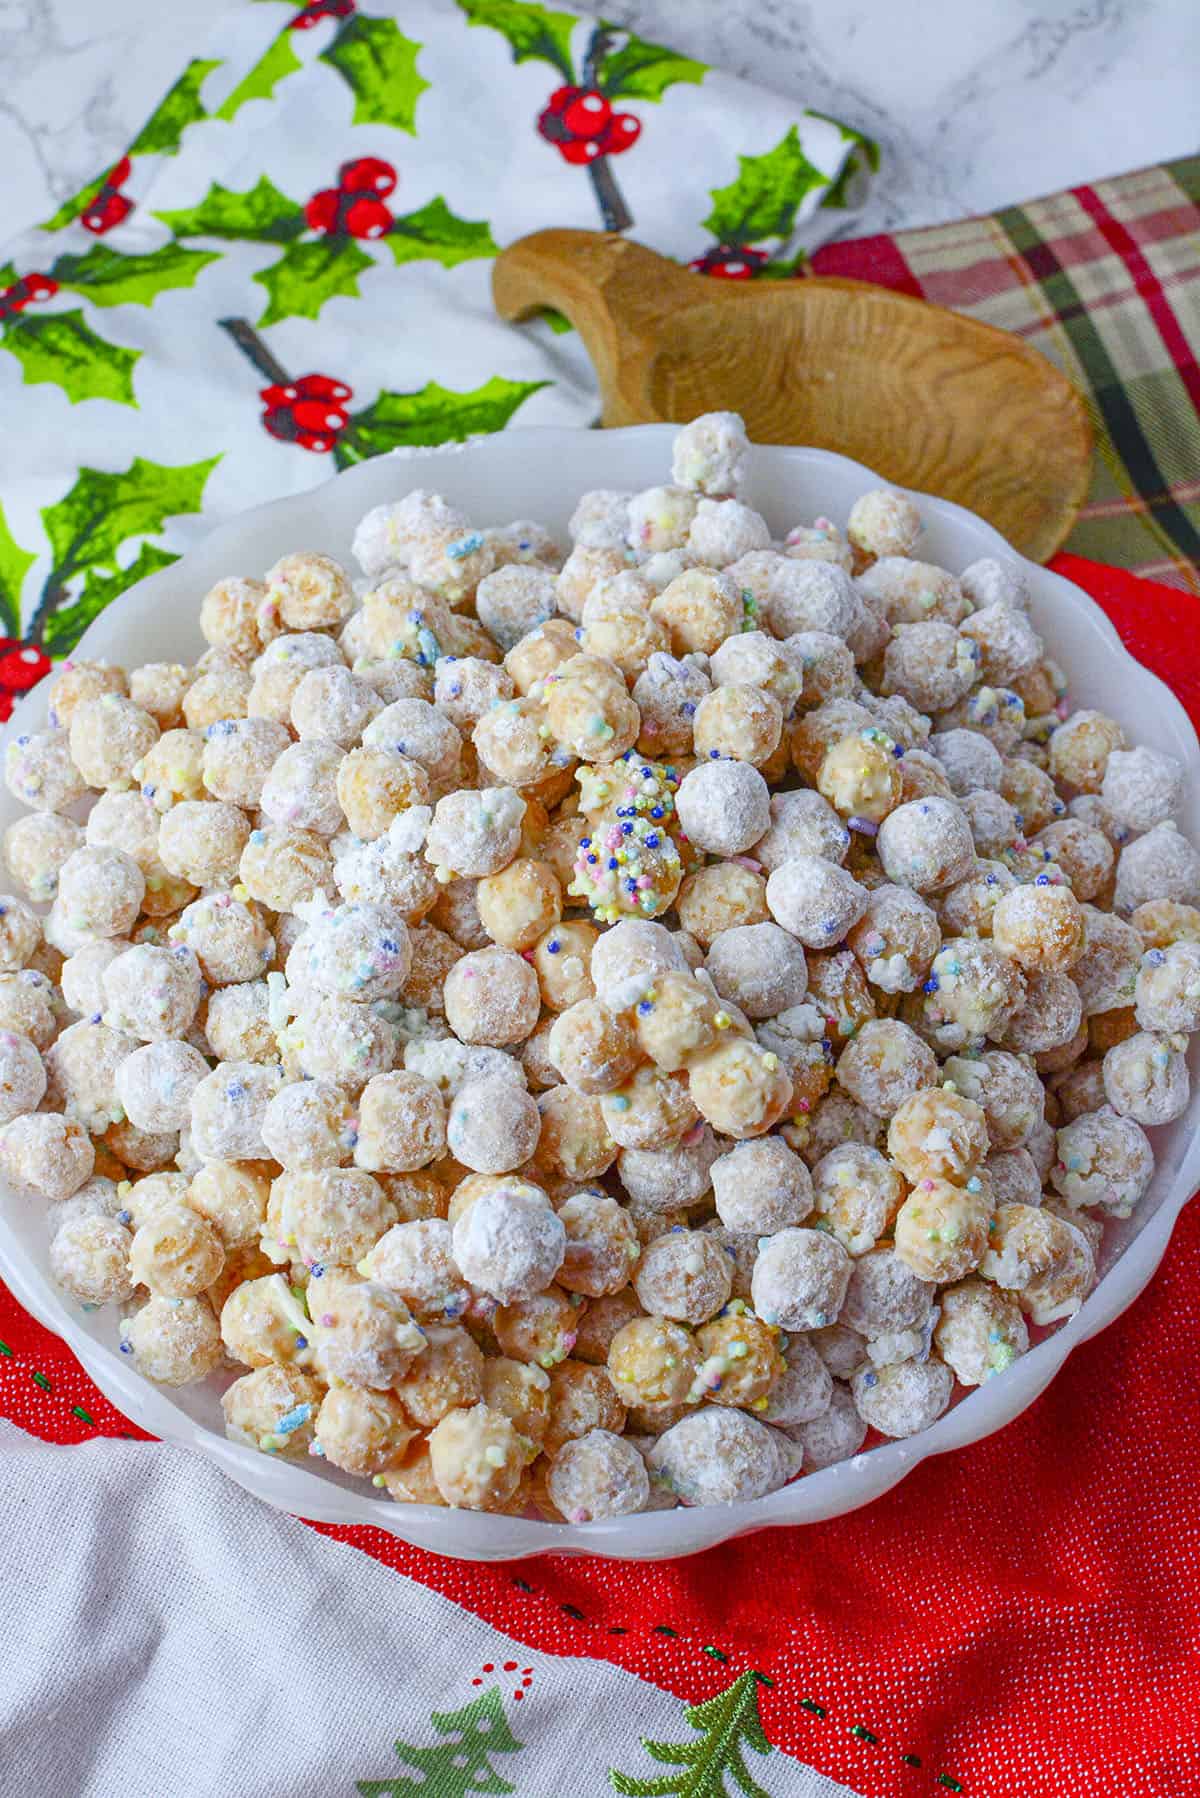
930	399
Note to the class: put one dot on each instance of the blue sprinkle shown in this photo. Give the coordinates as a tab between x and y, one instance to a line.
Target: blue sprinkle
714	755
294	1420
124	1217
612	861
302	1342
627	830
553	948
127	1348
585	842
656	811
1156	958
931	985
652	840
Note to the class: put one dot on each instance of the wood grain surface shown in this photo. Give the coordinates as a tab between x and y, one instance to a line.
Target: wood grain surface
929	398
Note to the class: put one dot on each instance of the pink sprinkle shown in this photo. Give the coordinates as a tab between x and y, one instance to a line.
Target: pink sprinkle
804	1105
328	1319
927	1186
644	880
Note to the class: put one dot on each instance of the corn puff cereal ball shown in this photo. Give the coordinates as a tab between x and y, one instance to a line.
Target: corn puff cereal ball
385	536
938	1134
1008	644
754	659
932	665
911	592
627	958
35	848
583	571
20	933
587	709
718	897
1039	927
107	737
1007	1090
493	1126
582	1398
761	1187
814	899
1047	1018
491	996
659	519
1104	1160
595	1050
835	1435
1168	988
651	1110
665	1180
718	1455
859	777
1084	855
1146	1077
1161	922
359	951
904	1398
800	1279
22	1076
309	592
202	841
760	968
154	1084
81	1069
29	1006
895	940
1045	1261
325	1215
401	1123
40	770
1080	748
367	1337
278	671
477	1458
173	1341
653	1361
238	1025
227	1109
667	692
228	937
152	993
724	530
46	1156
618	627
802	824
740	1360
221	689
232	1197
598	1475
739	1088
521	1391
310	1123
175	1253
889	1306
857	1193
1013	1178
303	785
700	608
1160	865
361	1431
973	992
520	903
89	1258
738	721
464	688
75	684
971	763
683	1275
885	1064
1141	787
600	519
538	1331
941	1230
514	600
510	1244
883	523
446	1376
100	891
602	1245
237	615
926	844
709	455
416	1260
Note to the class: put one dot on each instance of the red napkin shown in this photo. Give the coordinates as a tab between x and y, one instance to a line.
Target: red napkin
1015	1620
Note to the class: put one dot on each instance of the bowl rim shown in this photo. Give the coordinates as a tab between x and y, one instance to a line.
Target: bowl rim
494	1536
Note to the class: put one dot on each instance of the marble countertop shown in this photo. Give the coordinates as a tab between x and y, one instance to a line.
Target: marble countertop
974	106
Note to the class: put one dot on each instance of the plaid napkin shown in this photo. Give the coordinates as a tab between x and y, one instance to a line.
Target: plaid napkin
1105	281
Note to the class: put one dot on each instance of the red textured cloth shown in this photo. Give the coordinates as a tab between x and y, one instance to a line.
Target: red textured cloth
1015	1620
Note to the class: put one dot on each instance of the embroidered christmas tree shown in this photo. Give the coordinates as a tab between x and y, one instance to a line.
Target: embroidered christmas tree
728	1724
459	1766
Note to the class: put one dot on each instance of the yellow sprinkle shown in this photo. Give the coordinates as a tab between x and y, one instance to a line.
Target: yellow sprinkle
722	1020
240	892
770	1062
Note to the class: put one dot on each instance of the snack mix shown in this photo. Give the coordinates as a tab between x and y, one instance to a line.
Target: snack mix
573	1034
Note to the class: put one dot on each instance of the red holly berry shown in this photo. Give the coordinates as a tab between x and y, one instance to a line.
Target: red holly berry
580	149
323	387
367	175
321	9
365	217
551	124
277	396
561	98
620	133
729	262
35	287
322	210
119	174
12	301
22	668
105	211
6	706
319	416
587	114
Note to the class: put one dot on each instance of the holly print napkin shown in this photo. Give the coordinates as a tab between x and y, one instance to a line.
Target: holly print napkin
289	269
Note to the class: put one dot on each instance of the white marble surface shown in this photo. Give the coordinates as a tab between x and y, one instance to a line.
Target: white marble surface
974	104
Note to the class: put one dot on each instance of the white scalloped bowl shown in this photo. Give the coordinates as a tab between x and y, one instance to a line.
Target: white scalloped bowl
540	473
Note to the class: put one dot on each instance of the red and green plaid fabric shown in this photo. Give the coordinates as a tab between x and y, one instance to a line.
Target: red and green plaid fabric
1105	281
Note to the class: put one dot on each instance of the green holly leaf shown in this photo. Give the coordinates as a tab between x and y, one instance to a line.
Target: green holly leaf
783	268
260	82
379	64
103	510
535	33
262	215
8	274
72	208
434	414
15	564
308	274
762	201
108	278
435	234
62	629
642	71
179	107
61	349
